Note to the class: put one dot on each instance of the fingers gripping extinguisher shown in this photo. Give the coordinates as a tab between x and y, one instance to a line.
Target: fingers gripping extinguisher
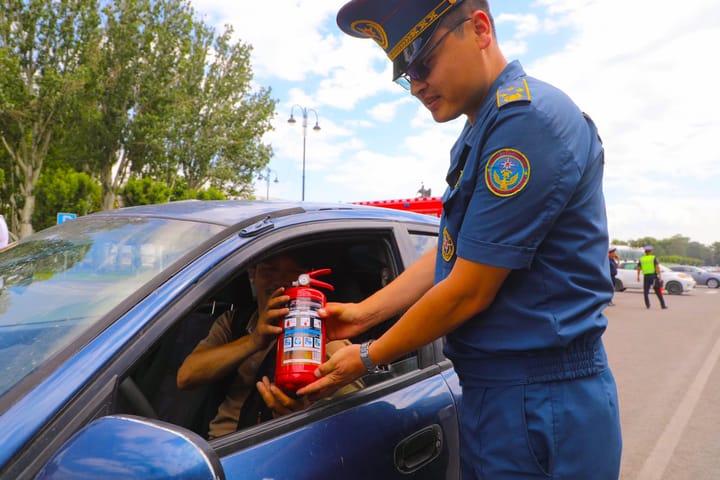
301	345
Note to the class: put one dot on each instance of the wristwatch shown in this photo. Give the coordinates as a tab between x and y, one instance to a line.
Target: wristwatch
370	367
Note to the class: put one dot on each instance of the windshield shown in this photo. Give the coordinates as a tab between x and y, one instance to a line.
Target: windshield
56	284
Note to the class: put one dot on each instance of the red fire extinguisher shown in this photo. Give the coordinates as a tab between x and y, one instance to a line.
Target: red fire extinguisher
301	345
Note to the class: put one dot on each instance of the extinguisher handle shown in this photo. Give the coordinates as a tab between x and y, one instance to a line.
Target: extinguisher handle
319	273
321	284
318	283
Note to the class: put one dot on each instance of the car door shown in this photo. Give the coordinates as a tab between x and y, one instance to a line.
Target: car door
627	274
402	425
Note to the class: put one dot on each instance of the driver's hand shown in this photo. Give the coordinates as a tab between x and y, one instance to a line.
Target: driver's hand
278	401
267	328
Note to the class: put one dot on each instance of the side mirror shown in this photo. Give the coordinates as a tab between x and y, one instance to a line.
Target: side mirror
127	447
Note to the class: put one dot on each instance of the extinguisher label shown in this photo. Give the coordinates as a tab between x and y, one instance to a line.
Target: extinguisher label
303	332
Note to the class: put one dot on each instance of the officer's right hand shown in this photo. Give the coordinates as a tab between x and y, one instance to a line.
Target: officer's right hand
267	328
343	320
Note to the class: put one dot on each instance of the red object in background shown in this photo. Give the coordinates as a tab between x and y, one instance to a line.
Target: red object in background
301	345
426	205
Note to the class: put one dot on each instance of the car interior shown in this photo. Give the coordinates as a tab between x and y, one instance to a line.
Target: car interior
360	266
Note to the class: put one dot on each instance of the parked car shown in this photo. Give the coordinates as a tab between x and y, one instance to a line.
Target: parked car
701	276
97	313
675	283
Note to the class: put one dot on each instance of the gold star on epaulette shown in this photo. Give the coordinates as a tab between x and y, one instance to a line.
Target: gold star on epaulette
517	91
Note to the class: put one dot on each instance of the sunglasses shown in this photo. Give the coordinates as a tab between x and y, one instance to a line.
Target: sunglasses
418	70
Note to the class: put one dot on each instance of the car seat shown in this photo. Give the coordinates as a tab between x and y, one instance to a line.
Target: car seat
192	409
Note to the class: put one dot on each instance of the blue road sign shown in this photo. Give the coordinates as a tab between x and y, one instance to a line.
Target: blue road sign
64	217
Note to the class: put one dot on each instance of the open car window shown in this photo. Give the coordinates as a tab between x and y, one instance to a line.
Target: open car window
360	266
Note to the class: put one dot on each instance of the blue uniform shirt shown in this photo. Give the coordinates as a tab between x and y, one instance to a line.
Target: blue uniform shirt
525	193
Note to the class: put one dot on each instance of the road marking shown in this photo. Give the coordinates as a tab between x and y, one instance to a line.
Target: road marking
657	462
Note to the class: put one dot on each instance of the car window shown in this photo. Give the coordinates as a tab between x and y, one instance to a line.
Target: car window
423	242
81	270
360	266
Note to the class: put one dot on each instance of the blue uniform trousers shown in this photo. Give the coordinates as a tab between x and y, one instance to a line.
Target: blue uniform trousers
561	430
651	281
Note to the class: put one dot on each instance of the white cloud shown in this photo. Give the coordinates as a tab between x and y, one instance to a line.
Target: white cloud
525	24
645	71
385	112
645	77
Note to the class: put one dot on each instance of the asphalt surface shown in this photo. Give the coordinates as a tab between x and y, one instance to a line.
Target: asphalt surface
666	364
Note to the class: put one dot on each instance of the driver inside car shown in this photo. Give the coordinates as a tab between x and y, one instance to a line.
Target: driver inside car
247	358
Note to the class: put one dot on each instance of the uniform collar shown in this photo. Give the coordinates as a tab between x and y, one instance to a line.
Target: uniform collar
512	71
467	138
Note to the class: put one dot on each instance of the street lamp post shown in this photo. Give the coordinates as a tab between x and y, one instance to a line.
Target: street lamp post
266	177
291	120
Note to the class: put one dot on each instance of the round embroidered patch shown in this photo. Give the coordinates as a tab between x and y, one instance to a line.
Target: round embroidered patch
448	246
374	30
507	172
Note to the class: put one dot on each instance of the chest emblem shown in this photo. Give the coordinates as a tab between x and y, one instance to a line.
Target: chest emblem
507	172
448	246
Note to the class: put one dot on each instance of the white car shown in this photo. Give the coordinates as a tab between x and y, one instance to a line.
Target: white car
675	283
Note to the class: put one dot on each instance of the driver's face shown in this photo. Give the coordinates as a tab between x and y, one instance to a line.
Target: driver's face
274	273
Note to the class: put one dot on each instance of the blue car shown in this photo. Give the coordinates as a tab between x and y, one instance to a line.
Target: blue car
97	314
701	276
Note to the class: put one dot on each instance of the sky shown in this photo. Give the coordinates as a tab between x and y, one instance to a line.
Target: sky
645	71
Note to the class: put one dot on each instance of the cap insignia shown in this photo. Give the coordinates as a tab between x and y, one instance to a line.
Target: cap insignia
373	30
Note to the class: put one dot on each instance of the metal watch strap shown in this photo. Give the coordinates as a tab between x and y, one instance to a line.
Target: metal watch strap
370	367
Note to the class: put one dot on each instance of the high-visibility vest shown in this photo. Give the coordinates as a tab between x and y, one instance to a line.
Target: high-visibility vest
647	264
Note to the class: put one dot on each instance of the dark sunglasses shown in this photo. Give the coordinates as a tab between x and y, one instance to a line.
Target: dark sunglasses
418	70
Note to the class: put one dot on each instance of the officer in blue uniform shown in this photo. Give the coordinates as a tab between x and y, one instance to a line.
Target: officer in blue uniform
521	254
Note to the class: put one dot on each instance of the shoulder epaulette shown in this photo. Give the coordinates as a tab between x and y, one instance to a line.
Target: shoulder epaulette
515	91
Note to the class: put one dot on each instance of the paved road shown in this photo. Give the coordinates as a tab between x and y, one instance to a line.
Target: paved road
668	374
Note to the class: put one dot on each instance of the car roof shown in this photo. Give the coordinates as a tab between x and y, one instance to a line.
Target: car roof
232	212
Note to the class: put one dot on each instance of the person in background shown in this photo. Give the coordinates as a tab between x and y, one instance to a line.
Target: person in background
4	234
520	280
652	276
614	262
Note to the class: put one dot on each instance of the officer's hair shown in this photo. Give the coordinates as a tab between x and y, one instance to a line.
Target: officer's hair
463	10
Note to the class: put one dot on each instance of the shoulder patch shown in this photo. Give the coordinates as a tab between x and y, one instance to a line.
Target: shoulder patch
507	172
515	91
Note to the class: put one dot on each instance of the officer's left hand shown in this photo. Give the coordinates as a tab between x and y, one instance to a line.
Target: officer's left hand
342	368
278	401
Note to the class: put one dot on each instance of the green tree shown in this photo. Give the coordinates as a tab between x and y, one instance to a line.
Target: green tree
64	190
144	191
43	59
180	191
215	134
174	102
132	92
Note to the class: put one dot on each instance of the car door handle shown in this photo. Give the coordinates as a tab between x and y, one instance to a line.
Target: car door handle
419	449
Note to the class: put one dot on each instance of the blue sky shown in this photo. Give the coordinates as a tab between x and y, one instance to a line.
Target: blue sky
644	70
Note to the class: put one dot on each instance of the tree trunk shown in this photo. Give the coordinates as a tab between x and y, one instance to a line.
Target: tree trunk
26	227
108	192
110	182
